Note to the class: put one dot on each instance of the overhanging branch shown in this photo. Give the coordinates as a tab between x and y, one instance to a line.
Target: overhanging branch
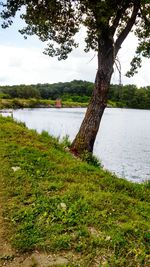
119	14
128	27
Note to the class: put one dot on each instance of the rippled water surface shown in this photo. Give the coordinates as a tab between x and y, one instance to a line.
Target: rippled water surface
122	143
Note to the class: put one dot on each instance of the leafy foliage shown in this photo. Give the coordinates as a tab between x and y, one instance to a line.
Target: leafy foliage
107	22
79	91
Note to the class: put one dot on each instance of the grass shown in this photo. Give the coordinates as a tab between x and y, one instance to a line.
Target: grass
35	103
56	203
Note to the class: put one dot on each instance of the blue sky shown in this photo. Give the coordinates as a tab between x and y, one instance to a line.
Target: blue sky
23	62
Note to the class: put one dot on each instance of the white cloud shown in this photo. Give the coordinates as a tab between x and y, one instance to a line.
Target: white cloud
125	56
28	65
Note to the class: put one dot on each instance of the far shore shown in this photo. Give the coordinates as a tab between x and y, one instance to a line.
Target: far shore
18	103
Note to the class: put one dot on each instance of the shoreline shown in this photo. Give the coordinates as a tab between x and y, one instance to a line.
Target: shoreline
17	103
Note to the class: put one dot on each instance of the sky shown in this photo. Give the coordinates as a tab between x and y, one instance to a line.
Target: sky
23	62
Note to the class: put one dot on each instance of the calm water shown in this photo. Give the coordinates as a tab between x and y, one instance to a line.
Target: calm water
122	144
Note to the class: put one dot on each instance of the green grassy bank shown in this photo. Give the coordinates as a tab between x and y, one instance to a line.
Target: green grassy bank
55	203
16	103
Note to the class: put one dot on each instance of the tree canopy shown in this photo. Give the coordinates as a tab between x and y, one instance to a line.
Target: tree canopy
106	21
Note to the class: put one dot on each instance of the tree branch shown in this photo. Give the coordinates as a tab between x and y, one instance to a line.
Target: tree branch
117	18
128	27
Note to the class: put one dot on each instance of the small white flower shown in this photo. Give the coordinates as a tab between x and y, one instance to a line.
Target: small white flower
63	206
15	168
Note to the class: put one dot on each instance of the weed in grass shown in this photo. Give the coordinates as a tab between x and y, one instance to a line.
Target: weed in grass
66	141
91	159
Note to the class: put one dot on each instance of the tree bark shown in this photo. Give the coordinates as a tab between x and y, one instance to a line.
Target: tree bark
84	141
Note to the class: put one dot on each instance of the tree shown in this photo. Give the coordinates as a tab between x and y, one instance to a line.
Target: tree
108	23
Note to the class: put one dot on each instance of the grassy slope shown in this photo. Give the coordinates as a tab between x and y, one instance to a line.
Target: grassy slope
57	203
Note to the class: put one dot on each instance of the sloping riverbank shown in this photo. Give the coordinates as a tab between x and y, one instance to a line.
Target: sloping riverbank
59	211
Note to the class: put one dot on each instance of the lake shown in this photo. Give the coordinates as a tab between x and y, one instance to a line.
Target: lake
122	143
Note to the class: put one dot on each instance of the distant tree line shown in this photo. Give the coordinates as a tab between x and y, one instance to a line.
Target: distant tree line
80	91
130	96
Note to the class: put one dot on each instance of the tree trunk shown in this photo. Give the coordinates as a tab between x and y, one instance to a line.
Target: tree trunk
84	141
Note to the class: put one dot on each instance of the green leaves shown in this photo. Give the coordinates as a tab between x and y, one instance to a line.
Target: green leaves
57	22
135	64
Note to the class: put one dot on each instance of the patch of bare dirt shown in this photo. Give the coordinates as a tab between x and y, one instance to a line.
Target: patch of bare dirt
36	259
